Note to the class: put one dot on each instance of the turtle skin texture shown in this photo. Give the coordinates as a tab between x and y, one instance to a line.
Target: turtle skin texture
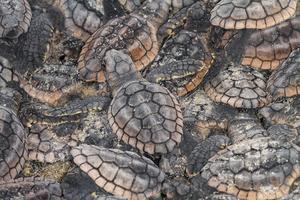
30	188
285	80
251	14
205	150
260	168
135	32
122	173
15	17
12	136
268	48
239	87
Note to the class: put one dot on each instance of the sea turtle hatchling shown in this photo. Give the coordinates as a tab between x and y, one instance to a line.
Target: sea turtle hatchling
261	168
32	48
203	151
238	86
251	14
204	115
123	173
265	49
30	188
285	80
136	33
185	54
81	18
285	112
244	126
12	135
15	17
142	114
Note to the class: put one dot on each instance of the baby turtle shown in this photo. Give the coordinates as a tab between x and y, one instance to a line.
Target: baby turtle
77	185
34	46
260	168
268	48
136	32
205	150
12	135
15	17
244	127
207	114
238	86
45	146
30	188
183	55
142	114
123	173
80	19
286	112
56	84
251	14
285	80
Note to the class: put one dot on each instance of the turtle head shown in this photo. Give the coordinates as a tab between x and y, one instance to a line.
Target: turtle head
119	69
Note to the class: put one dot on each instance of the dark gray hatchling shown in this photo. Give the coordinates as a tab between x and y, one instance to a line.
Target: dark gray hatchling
285	112
203	151
30	188
12	135
261	168
122	173
245	127
142	114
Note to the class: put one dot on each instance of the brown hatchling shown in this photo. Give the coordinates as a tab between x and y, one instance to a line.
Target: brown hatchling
136	33
123	173
79	20
238	86
261	168
265	49
142	114
15	17
285	80
251	14
12	135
